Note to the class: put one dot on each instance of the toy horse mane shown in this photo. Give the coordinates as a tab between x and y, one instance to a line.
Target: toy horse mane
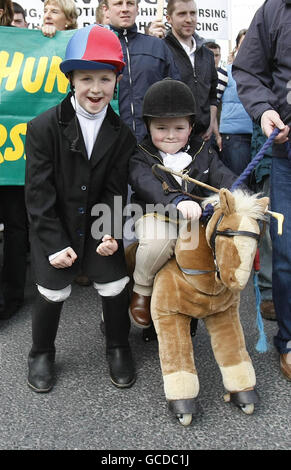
239	201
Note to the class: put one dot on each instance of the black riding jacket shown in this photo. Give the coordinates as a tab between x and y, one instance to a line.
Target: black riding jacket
148	187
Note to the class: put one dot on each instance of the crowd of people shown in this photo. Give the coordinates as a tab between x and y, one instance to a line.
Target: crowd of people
176	105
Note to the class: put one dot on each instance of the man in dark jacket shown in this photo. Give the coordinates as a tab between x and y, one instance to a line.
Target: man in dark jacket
195	62
262	70
148	60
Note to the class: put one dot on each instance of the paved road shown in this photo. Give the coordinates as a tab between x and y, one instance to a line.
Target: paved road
84	411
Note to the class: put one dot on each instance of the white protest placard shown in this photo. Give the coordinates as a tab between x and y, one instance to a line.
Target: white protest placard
34	12
213	15
218	20
213	19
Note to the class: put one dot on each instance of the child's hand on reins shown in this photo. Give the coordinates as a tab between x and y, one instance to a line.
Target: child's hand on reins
190	210
108	246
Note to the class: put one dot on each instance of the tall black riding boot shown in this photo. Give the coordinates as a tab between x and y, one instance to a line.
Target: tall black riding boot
45	322
118	352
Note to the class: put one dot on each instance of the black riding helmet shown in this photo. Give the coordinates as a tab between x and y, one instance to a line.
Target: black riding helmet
169	98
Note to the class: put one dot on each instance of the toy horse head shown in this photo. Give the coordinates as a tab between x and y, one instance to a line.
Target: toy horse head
232	234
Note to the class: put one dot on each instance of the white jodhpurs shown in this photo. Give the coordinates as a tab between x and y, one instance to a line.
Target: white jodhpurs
108	289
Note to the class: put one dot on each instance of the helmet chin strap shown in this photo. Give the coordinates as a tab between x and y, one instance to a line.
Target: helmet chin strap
74	143
115	93
70	78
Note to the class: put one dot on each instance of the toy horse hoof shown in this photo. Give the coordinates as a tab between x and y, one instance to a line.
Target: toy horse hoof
183	410
245	400
185	419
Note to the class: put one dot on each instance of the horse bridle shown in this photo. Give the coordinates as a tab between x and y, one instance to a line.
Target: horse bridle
223	233
230	233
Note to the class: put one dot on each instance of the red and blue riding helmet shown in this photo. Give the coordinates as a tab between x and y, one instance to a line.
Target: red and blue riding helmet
93	48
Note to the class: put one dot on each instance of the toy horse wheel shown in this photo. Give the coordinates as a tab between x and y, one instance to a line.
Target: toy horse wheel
248	409
183	409
185	419
245	400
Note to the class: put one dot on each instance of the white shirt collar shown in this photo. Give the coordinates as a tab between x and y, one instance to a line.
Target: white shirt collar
176	162
82	112
90	124
189	50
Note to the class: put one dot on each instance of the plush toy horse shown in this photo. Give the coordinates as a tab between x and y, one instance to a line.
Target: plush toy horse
204	282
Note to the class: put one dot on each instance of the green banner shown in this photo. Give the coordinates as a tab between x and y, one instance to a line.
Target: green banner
30	83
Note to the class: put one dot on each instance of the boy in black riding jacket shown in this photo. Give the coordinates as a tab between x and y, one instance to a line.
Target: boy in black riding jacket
77	167
169	113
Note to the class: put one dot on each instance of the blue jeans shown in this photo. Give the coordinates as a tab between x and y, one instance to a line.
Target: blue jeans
236	151
281	202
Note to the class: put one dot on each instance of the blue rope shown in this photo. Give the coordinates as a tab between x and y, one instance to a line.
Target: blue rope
262	344
208	211
247	171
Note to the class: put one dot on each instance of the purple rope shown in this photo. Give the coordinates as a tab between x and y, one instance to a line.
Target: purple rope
262	345
247	171
208	211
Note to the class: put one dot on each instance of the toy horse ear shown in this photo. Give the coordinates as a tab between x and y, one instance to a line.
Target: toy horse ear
227	201
264	202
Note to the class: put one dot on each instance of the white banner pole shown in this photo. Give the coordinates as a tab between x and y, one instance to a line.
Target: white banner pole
229	26
160	10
